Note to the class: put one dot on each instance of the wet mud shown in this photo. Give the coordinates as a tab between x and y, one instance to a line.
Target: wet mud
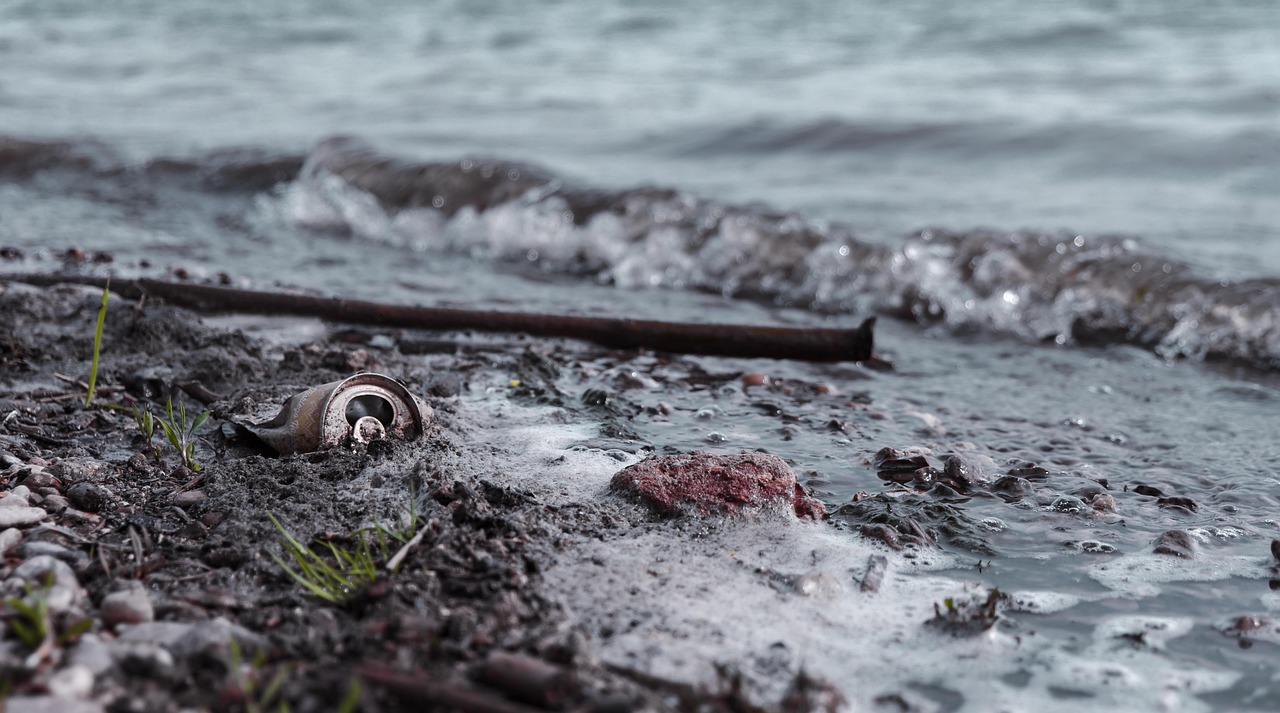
160	575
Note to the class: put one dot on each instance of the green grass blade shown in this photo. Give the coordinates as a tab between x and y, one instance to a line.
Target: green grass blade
315	589
352	699
273	686
97	344
28	634
71	632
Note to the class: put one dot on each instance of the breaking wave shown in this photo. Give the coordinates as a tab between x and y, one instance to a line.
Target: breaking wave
1063	288
1057	287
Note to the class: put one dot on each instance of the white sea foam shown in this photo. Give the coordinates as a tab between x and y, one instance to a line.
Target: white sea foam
1141	574
772	595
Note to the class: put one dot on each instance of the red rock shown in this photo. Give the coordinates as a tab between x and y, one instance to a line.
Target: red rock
709	484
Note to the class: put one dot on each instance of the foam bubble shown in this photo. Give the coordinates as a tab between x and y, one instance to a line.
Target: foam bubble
1140	574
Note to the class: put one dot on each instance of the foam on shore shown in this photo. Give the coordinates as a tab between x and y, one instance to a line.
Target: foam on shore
772	596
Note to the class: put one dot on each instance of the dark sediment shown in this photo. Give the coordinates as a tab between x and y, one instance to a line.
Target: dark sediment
160	578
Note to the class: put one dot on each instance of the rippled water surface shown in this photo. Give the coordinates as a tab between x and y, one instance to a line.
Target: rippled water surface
1067	218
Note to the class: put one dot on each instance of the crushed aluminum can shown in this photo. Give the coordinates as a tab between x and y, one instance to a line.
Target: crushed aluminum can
359	408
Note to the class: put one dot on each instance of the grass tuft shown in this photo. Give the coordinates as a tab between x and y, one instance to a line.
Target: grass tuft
336	577
338	574
97	343
180	433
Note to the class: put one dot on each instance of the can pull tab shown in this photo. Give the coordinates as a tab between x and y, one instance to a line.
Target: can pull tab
370	415
367	428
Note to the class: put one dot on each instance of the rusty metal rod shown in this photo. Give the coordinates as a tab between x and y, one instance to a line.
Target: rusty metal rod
421	688
798	343
529	679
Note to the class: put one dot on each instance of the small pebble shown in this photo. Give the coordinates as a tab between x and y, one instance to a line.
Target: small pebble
87	496
213	637
39	479
55	503
71	683
1176	543
76	517
9	539
145	659
754	378
92	653
35	549
818	584
160	633
130	606
18	497
21	515
36	570
49	704
188	498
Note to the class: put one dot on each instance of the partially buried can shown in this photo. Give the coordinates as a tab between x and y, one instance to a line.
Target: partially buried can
359	408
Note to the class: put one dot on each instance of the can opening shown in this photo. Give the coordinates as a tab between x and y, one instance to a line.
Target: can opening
370	405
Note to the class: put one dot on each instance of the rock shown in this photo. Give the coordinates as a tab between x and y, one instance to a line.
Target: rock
54	503
130	606
817	583
707	484
49	704
39	479
35	549
75	470
876	567
1176	543
960	473
892	460
160	633
21	515
188	498
1068	504
1186	505
146	659
71	683
17	497
91	653
1103	502
1012	487
37	570
9	539
87	496
212	639
883	533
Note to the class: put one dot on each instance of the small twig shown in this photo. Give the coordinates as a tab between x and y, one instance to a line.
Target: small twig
393	564
187	486
71	380
102	560
35	434
199	392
